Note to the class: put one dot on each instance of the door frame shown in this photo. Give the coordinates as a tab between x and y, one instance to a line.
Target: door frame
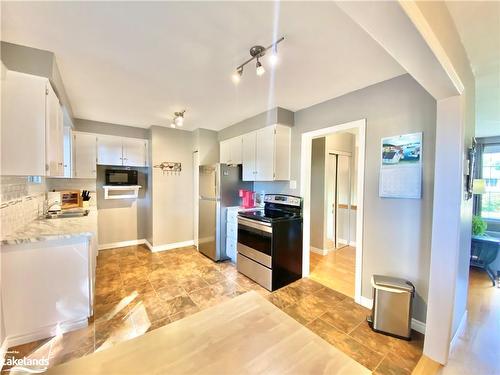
305	192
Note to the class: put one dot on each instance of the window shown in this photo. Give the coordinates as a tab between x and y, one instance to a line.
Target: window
490	172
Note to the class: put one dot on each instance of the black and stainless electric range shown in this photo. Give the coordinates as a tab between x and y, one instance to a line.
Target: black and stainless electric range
270	242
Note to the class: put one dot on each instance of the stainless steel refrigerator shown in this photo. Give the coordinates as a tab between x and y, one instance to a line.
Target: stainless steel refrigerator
219	185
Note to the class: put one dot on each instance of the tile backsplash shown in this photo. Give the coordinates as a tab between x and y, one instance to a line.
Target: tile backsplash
21	201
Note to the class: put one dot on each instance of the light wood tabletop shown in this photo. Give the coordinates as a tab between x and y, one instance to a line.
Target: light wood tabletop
246	335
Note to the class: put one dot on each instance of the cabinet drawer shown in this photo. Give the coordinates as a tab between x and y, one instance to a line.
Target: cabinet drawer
232	231
232	217
231	249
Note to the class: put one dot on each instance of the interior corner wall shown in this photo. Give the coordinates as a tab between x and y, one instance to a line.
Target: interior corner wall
206	142
396	232
318	161
172	195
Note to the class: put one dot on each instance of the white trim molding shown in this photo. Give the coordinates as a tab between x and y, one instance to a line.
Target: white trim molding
44	332
319	251
305	192
460	331
169	246
114	245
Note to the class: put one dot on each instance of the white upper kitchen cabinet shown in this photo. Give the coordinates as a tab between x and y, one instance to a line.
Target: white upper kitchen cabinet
266	154
135	152
54	135
68	146
231	150
249	156
122	151
84	155
23	124
109	150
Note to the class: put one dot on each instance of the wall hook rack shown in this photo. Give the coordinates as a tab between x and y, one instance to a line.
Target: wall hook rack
170	168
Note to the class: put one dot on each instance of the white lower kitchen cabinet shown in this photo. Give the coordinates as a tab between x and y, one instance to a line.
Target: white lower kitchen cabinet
232	232
84	155
47	287
266	154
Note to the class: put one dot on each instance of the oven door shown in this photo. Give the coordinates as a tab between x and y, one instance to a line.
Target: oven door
255	240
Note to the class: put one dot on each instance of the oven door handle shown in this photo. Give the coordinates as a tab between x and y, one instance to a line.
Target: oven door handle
265	227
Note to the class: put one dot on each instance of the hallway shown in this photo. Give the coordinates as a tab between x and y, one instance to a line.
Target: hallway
335	270
478	347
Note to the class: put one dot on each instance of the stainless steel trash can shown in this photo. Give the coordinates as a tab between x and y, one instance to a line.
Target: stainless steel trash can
392	304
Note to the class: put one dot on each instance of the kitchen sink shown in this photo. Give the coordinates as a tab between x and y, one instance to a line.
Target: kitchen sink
65	214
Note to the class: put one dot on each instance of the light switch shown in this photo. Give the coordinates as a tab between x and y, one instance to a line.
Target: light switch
293	184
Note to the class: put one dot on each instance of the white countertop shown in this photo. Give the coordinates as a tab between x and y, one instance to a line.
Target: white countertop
50	229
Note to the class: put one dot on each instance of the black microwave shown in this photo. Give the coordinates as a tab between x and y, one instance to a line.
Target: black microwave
121	177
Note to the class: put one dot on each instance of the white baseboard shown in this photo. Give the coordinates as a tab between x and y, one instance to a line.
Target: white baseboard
48	331
351	243
121	244
319	251
416	325
460	330
169	246
3	351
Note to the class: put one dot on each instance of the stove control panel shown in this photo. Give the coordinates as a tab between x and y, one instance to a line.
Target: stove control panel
283	199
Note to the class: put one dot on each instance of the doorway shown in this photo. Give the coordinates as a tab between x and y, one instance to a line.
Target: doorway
339	234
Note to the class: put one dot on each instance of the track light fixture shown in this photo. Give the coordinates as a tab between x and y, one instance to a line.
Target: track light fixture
259	68
257	52
178	120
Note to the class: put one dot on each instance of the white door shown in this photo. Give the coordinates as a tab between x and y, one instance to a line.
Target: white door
134	152
84	161
248	156
225	151
265	154
109	150
23	124
236	148
54	134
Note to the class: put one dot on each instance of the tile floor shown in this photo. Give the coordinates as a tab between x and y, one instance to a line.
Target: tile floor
138	291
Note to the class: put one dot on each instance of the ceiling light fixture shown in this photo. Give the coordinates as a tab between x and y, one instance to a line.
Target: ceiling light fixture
257	52
273	59
259	68
178	119
237	75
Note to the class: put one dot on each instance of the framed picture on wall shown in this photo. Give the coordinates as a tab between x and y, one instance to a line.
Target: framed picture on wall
401	166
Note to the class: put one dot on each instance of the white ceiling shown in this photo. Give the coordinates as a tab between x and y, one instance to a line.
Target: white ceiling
478	23
135	63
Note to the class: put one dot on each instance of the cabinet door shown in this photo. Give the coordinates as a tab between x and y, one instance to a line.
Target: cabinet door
84	160
236	145
23	124
54	134
225	151
248	156
68	147
265	154
134	152
109	150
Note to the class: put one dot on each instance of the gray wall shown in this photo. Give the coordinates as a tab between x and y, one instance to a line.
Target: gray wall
318	192
172	196
397	232
122	219
107	128
37	62
276	115
206	142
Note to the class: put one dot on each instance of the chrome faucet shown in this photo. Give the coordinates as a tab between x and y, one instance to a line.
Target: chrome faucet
49	206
